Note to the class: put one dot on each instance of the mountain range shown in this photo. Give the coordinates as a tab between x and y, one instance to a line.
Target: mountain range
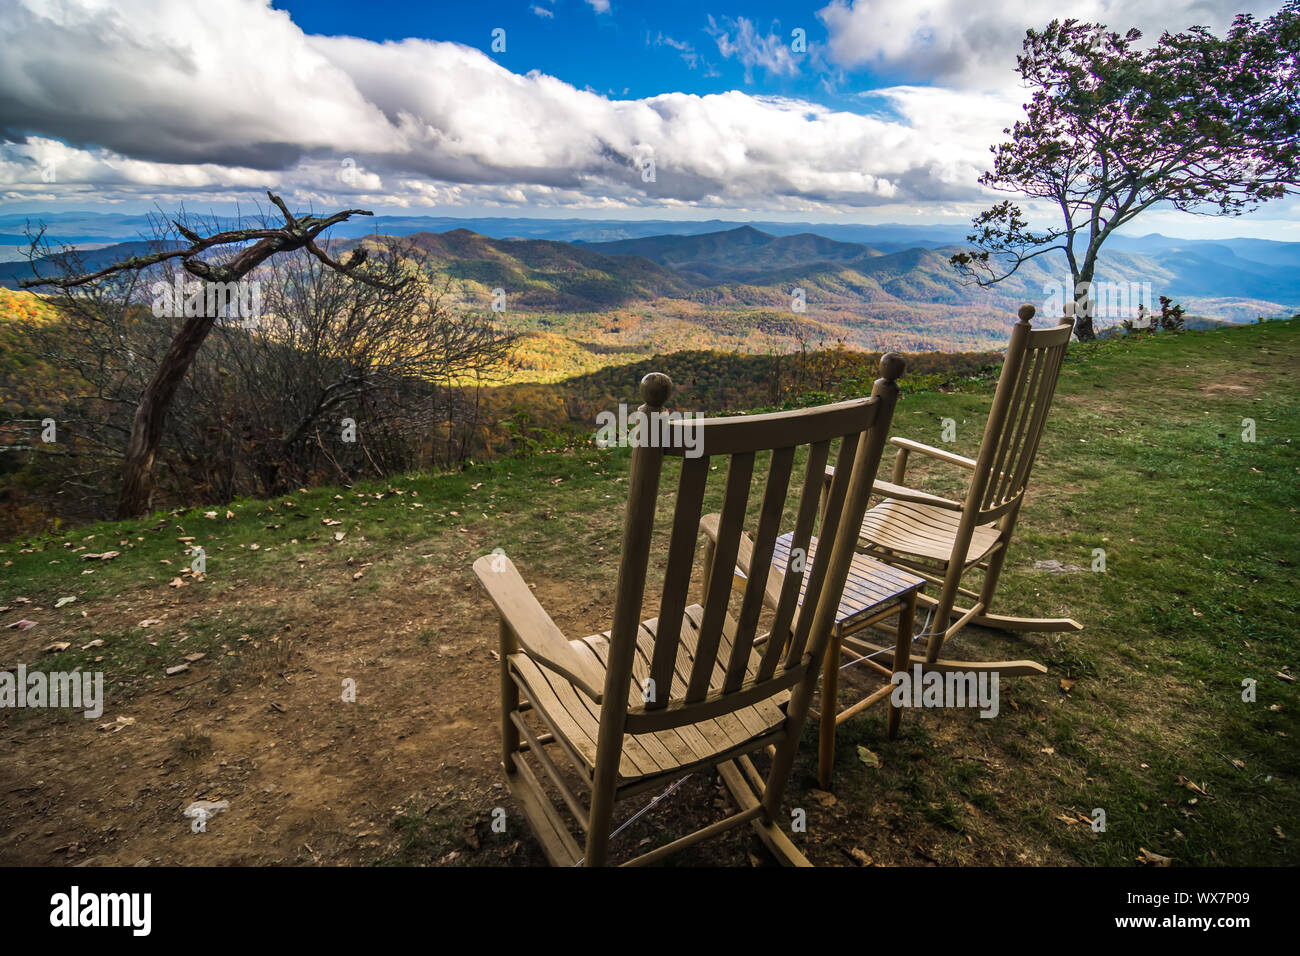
584	304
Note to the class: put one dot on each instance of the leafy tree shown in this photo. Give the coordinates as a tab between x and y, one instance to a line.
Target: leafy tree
1200	123
1171	315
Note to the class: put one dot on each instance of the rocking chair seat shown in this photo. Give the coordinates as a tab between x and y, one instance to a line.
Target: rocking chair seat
923	531
574	718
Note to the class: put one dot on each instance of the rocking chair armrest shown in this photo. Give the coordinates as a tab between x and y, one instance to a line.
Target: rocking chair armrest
745	559
888	489
939	453
532	626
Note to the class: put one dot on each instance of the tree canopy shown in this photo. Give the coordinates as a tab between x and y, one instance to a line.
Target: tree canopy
1199	123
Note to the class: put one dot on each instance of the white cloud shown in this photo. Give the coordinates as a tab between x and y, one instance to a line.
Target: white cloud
683	48
600	6
543	12
232	96
976	44
740	39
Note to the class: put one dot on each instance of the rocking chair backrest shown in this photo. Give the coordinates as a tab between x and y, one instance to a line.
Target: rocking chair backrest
692	694
1019	412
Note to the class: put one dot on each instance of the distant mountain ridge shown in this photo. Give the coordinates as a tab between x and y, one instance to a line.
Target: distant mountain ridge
581	306
80	227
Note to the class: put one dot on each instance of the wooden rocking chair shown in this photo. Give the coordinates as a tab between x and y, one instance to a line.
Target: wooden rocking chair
943	539
648	702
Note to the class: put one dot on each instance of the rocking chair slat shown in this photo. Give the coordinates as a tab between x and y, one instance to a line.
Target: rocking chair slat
718	590
769	526
792	584
1054	360
1029	418
681	560
1008	440
836	500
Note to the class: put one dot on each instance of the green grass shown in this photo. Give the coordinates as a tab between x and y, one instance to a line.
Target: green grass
1143	457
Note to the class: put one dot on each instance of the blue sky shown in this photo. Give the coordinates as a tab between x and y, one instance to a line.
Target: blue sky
595	108
631	50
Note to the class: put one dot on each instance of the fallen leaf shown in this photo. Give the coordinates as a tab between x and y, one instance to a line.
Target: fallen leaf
867	757
63	601
1154	858
178	669
860	856
149	622
113	726
21	625
822	797
178	583
1066	684
56	647
97	642
339	535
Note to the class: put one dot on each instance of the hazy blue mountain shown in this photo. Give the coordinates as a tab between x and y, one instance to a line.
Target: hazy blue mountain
748	267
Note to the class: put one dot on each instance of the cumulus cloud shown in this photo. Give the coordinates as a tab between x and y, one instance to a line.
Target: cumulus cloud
976	44
233	96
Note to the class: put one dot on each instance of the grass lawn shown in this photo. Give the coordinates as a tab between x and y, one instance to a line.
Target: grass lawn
1141	715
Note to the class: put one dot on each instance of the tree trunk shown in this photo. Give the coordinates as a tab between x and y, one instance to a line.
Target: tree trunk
1083	302
151	415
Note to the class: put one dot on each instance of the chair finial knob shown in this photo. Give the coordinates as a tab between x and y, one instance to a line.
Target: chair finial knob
891	366
655	389
1026	313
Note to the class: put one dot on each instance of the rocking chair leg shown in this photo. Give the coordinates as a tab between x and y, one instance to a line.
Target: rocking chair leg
509	701
783	760
830	706
599	821
902	655
733	774
942	616
994	570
